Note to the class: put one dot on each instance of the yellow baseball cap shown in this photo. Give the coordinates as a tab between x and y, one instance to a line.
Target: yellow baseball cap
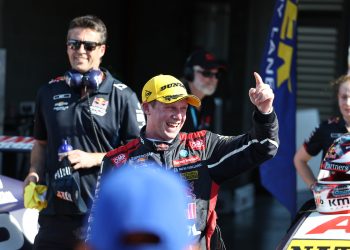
167	89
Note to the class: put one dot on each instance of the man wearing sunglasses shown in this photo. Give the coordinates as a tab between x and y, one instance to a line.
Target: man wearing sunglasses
202	74
94	113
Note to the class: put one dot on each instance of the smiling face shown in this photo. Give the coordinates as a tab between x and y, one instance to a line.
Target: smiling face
344	100
164	121
81	59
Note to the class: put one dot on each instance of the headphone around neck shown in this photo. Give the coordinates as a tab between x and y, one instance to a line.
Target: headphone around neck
90	79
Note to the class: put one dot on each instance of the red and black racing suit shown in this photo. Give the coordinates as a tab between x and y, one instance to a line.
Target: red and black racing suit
205	160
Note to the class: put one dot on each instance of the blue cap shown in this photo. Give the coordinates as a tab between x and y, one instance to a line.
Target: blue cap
145	200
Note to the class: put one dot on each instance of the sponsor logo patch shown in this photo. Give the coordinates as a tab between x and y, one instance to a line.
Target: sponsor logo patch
119	159
62	96
120	86
186	161
190	176
60	106
99	106
336	135
197	144
183	153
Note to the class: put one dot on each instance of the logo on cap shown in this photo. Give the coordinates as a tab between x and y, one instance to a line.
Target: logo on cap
167	89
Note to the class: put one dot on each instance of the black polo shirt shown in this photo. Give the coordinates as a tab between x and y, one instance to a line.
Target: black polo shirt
114	111
324	135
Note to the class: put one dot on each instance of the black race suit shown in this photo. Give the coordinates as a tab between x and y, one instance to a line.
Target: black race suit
205	160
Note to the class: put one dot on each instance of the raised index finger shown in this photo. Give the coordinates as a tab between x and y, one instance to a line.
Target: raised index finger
258	80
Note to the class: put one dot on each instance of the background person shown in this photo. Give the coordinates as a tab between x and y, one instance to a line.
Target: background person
203	158
324	135
202	73
322	138
95	113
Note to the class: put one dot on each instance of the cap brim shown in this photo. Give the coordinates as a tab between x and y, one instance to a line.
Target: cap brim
191	99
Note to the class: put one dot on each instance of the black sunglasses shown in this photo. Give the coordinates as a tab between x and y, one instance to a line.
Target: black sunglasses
209	74
88	46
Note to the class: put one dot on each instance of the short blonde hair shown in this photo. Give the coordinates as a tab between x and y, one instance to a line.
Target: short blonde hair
339	81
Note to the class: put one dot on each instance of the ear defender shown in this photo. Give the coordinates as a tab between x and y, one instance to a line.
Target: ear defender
90	79
188	69
188	73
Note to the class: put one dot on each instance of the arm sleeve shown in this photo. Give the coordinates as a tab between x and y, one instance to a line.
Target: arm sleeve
133	119
40	131
313	145
230	156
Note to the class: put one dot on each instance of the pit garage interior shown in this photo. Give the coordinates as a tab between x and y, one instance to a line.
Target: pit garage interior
155	37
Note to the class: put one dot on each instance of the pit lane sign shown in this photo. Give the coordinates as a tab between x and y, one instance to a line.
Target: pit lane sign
16	143
322	232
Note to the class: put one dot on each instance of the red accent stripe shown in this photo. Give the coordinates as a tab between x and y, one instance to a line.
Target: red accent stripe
127	148
191	136
211	219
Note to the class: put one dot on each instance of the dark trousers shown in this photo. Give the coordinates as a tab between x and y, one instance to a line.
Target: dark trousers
59	232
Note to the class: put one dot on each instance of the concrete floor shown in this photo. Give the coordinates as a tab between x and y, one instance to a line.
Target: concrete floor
260	227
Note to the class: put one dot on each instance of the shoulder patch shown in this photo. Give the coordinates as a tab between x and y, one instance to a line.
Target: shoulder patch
194	140
57	79
333	120
192	135
120	86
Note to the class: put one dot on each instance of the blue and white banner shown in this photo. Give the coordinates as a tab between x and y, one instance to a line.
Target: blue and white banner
278	69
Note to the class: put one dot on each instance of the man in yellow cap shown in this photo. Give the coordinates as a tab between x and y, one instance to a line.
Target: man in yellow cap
203	158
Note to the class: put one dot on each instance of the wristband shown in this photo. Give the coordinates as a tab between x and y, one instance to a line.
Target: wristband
35	175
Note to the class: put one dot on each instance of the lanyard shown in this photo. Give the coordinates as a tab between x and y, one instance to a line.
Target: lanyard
194	117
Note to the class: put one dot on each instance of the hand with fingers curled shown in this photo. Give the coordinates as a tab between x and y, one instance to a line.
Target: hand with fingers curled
82	159
262	95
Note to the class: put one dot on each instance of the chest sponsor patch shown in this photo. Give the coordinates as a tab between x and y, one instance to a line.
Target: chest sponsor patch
186	161
188	167
60	106
336	135
140	158
197	144
190	176
62	96
183	153
99	106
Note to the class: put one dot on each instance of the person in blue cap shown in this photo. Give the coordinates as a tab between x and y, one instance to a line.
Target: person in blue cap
134	211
